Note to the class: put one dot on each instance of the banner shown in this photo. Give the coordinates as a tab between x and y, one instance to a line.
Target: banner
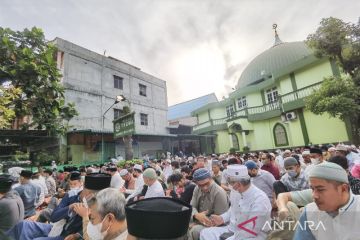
124	125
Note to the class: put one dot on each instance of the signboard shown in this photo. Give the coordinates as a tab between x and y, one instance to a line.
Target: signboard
124	125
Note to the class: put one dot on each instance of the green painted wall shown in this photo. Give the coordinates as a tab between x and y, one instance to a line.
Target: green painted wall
312	74
285	85
217	113
78	155
324	129
263	135
293	129
245	124
203	117
222	143
254	99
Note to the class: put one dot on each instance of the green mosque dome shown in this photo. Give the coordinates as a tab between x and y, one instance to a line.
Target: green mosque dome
279	56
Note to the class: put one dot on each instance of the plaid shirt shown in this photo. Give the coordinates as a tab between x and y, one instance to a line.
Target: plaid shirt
295	184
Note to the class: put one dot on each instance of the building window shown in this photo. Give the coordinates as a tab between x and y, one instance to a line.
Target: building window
272	95
230	110
280	135
242	102
118	82
117	113
143	119
142	90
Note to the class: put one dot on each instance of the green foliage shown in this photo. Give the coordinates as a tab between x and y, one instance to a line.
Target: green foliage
45	157
20	156
246	149
339	95
232	150
336	96
126	110
29	63
7	112
122	164
338	40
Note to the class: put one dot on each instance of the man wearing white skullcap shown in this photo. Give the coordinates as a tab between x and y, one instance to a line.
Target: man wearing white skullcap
250	210
335	208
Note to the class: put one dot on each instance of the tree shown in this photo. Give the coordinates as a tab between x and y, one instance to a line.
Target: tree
338	95
28	62
7	97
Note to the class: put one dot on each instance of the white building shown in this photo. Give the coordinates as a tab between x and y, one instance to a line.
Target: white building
92	81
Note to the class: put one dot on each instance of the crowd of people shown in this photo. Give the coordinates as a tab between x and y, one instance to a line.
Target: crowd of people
313	190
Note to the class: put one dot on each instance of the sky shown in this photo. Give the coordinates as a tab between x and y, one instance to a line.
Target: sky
196	46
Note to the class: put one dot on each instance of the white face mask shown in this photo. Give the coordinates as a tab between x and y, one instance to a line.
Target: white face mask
315	160
94	231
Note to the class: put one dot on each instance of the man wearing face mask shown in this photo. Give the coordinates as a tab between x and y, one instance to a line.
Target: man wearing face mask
316	157
75	185
107	216
68	224
293	180
261	179
208	198
250	211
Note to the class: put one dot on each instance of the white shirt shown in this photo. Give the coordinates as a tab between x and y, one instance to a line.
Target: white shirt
252	204
139	184
167	171
42	193
155	190
116	181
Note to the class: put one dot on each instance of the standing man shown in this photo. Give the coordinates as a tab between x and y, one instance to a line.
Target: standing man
247	215
208	198
29	193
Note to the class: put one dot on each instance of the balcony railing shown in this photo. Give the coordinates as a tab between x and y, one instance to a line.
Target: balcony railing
219	121
264	108
299	94
202	125
271	107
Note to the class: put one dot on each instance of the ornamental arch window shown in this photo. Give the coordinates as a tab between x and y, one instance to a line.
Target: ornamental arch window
280	135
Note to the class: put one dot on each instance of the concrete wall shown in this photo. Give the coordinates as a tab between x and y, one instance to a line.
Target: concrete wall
325	129
88	81
140	148
312	74
222	142
254	99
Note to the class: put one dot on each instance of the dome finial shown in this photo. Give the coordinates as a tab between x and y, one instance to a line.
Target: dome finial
277	39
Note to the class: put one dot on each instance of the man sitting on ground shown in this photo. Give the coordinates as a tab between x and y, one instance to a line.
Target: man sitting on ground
334	210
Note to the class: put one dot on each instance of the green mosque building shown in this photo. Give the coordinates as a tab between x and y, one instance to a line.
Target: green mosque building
267	109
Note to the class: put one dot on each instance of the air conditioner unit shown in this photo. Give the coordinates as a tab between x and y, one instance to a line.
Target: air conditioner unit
290	116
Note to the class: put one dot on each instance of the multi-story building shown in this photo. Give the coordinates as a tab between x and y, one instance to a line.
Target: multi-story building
92	81
267	109
181	123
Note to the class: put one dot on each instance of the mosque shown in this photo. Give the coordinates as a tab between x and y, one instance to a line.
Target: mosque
267	109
